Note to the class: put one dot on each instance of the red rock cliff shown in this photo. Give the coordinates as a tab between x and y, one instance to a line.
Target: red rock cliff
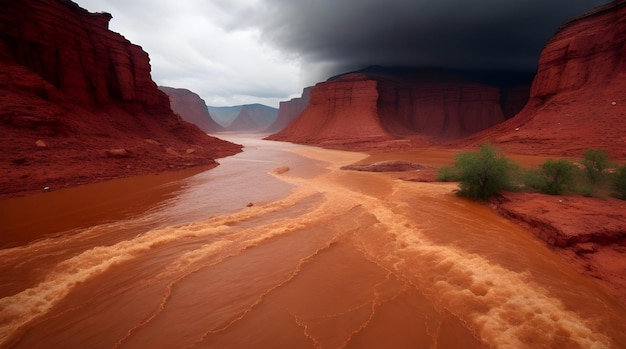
424	106
289	110
341	110
78	103
191	108
440	110
577	98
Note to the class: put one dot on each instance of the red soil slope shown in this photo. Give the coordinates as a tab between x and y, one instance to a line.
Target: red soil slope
78	103
191	108
578	98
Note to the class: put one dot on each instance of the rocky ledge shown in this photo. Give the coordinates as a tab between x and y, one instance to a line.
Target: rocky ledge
588	232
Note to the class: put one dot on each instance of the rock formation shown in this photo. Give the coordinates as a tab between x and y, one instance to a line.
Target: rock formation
290	110
82	90
253	118
243	122
379	104
191	108
577	98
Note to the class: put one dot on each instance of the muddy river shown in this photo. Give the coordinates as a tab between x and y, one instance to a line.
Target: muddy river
278	248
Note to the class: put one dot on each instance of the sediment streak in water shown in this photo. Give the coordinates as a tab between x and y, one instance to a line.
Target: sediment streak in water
345	260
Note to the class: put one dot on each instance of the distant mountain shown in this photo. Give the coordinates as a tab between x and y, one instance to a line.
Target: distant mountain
191	108
248	118
224	115
244	123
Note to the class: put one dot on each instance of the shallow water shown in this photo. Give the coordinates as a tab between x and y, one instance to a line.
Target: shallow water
321	259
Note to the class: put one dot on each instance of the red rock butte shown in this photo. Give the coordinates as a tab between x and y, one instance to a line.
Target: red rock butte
420	105
576	101
79	104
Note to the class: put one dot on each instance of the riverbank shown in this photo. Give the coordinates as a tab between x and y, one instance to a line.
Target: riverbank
34	215
588	233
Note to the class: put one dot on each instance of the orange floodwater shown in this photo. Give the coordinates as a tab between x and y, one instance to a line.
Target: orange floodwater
323	258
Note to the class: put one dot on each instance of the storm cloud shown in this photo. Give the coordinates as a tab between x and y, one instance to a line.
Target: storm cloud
480	34
264	51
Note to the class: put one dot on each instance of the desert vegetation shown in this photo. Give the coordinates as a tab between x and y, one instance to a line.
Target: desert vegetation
485	173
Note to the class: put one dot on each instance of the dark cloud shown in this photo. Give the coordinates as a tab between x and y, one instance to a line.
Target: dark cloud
350	34
263	51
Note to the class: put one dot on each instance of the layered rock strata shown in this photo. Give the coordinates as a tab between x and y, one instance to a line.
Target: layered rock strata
82	90
577	98
290	110
372	106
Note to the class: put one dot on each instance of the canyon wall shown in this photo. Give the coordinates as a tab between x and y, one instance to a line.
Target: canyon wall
289	110
191	108
341	110
78	103
423	106
577	98
75	51
440	110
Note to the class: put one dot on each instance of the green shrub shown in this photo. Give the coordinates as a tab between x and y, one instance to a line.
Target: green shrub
595	162
619	183
483	174
534	179
446	174
558	176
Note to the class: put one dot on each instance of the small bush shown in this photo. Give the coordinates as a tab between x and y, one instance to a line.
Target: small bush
446	174
619	183
558	176
483	174
595	162
534	179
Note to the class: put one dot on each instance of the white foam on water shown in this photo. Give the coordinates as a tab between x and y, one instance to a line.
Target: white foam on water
23	307
505	308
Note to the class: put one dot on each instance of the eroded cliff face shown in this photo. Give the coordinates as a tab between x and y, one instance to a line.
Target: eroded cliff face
424	107
78	103
191	108
577	98
75	51
439	110
290	110
344	110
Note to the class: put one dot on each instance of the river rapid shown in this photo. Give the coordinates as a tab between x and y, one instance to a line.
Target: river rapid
278	248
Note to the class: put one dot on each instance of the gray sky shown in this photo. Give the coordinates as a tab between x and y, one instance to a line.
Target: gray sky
234	52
